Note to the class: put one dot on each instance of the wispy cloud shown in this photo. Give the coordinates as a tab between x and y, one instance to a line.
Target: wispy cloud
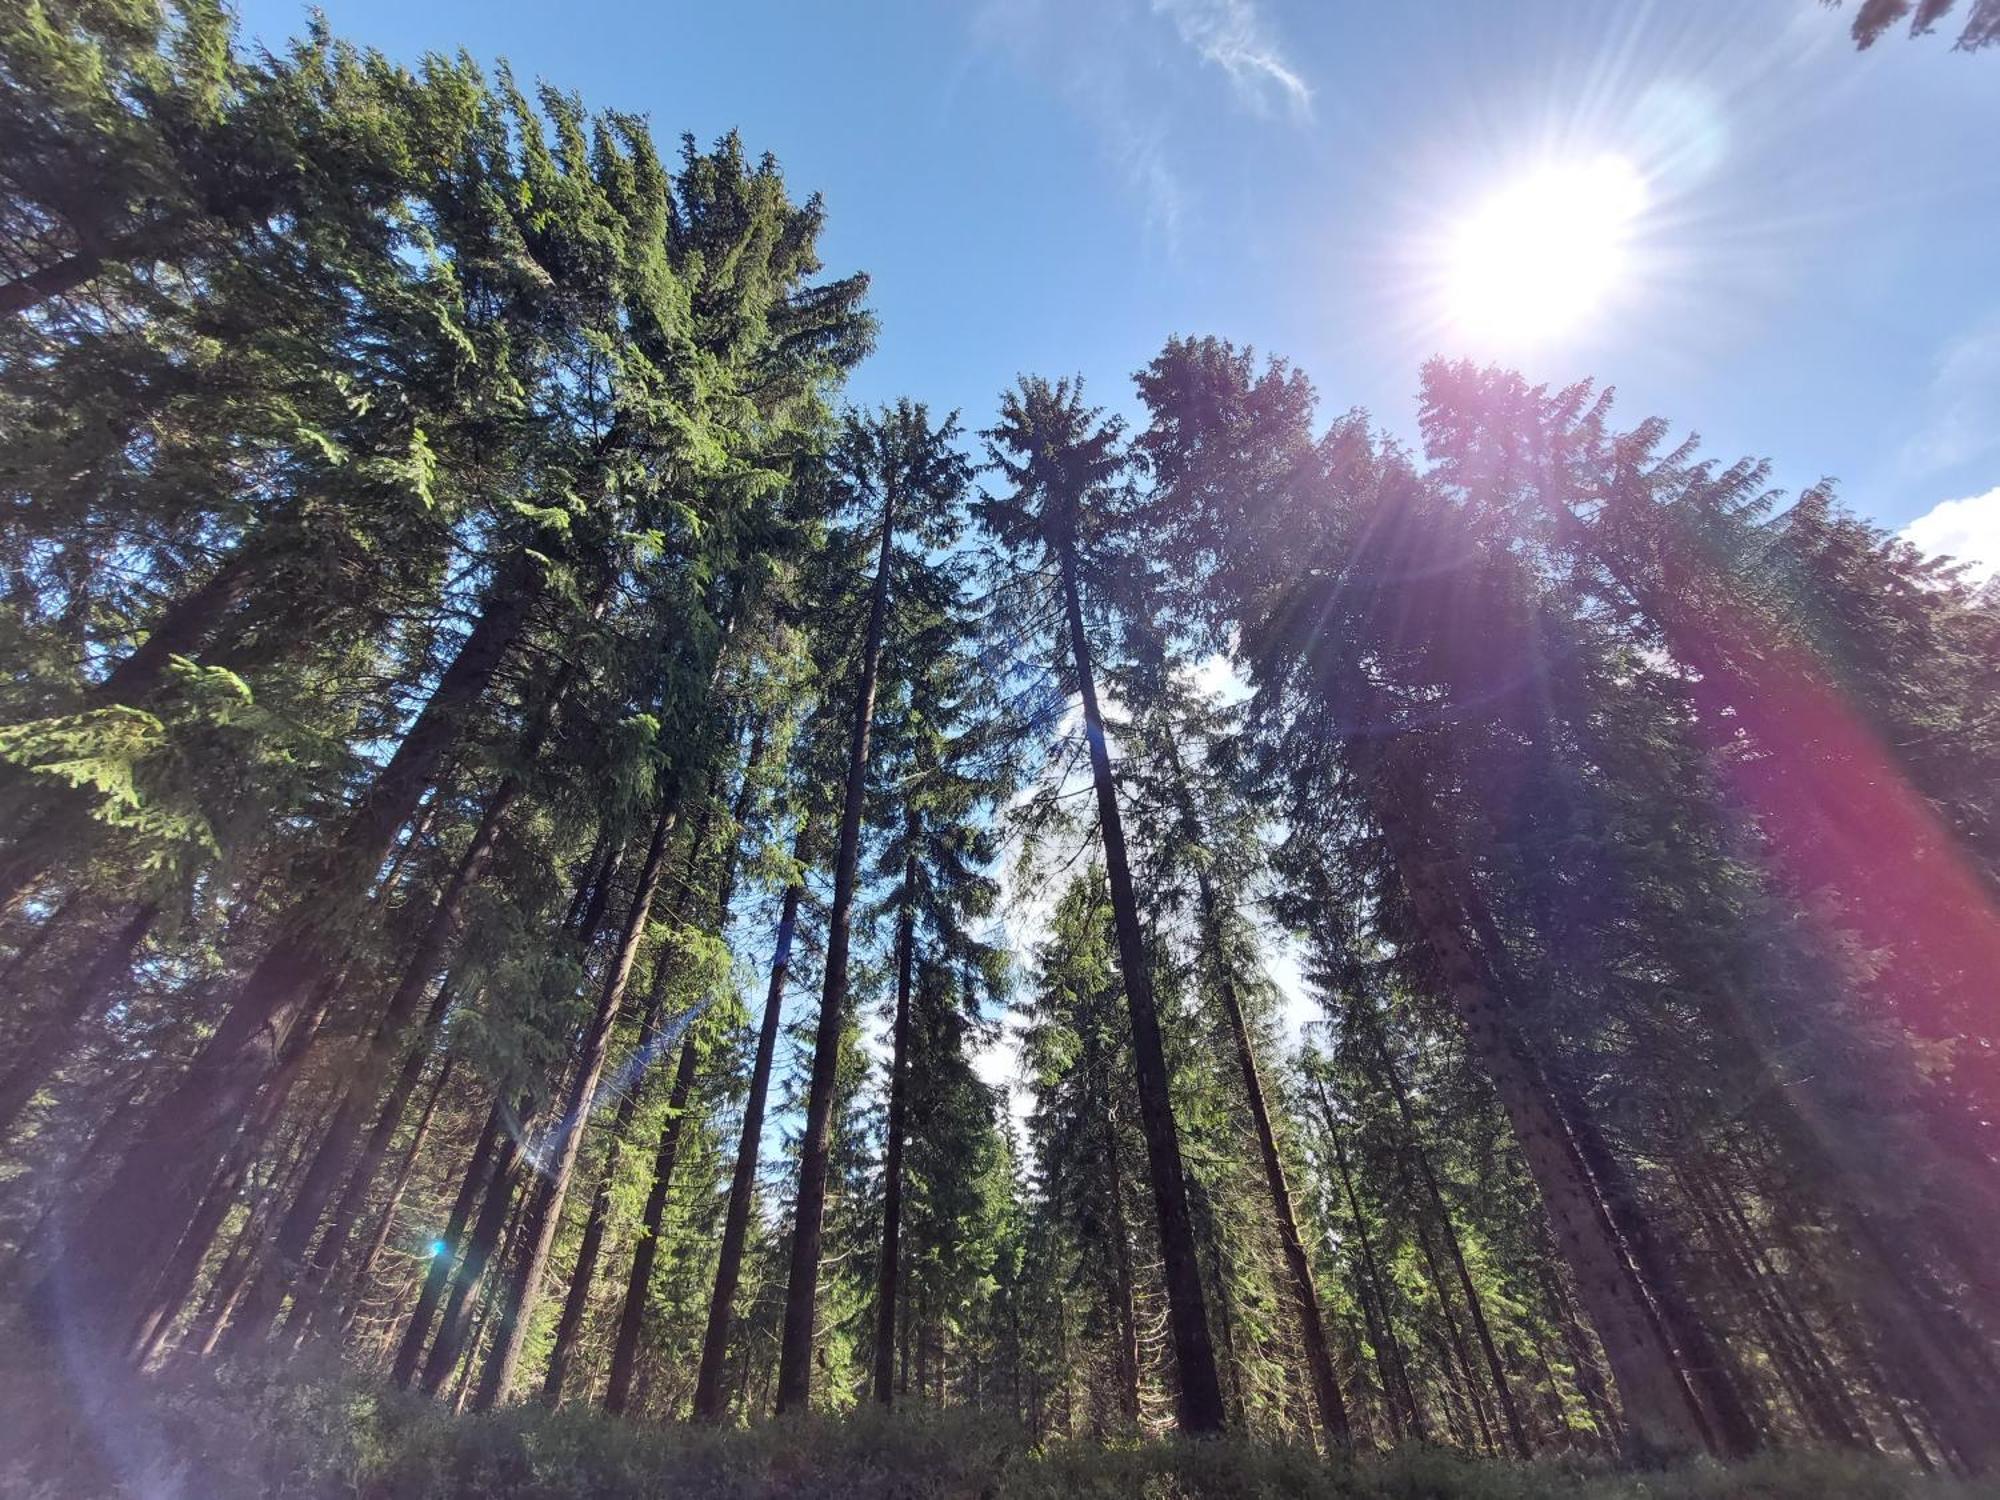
1124	66
1964	393
1234	36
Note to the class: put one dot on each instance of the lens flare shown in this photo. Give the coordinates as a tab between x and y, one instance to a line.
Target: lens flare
1539	256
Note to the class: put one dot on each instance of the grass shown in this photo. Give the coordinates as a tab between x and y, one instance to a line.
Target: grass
312	1432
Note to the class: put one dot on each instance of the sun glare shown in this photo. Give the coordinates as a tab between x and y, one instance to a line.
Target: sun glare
1542	254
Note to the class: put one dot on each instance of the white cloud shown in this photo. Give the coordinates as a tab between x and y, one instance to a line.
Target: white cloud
1968	530
1963	394
1234	36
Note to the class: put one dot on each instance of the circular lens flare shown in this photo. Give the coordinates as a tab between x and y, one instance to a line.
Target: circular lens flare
1542	254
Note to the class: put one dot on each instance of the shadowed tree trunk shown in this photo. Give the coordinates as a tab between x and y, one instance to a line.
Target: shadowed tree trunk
467	1282
286	1266
1124	1317
501	1144
1660	1406
1398	1394
1517	1434
51	1036
516	1297
54	836
892	1166
170	1288
399	1183
632	1313
411	1349
711	1401
1200	1392
308	1297
584	1273
130	1224
815	1146
1305	1295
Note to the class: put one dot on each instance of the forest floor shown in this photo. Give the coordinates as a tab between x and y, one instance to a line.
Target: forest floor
312	1433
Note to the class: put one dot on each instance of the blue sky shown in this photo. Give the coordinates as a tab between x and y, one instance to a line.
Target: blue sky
1057	185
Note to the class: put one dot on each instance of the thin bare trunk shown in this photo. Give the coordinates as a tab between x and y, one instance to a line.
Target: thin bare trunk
888	1271
1305	1295
52	1035
518	1293
638	1286
1200	1391
1516	1432
1399	1395
710	1400
795	1353
129	1227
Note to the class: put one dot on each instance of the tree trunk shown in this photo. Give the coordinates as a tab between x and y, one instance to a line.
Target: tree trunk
1312	1325
1124	1317
518	1295
365	1081
164	1293
1400	1397
632	1315
1200	1392
1517	1434
1660	1408
584	1273
411	1350
795	1353
899	1087
129	1225
466	1283
183	628
710	1400
389	1039
51	1036
399	1183
588	904
308	1299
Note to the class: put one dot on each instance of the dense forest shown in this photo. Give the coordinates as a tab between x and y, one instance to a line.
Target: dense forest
524	812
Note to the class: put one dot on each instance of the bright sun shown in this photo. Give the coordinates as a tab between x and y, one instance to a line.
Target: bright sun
1540	255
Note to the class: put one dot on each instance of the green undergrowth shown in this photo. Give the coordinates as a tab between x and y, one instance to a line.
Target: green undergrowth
313	1431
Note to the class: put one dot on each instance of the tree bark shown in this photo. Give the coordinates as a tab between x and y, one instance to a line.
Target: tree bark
436	1276
288	1266
183	628
1660	1407
308	1299
1312	1325
584	1273
1399	1396
588	905
128	1227
169	1288
1124	1316
888	1271
51	1036
399	1183
815	1146
1517	1433
710	1399
632	1314
518	1294
467	1281
1200	1392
